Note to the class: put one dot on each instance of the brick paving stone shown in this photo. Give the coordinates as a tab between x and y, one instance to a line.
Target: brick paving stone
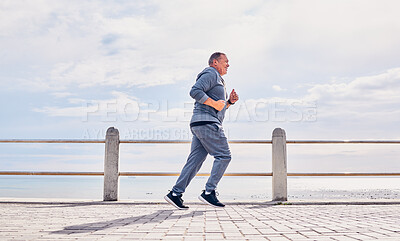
344	238
277	238
294	236
194	238
116	221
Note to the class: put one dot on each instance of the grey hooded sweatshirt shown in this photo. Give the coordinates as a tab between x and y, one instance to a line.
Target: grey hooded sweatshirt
209	84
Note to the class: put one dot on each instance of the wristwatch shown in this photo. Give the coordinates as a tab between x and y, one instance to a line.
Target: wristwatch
229	102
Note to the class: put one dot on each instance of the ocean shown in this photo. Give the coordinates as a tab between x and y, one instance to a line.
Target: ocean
230	188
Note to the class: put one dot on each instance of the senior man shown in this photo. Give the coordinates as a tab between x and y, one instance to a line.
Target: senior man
211	102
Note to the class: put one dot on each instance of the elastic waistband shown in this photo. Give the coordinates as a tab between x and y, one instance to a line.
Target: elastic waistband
200	123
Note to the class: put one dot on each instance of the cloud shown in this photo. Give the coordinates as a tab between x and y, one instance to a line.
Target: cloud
144	44
362	95
122	105
343	108
96	43
273	46
61	94
347	108
341	29
122	71
277	88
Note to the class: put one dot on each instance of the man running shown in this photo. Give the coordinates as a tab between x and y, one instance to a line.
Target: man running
211	102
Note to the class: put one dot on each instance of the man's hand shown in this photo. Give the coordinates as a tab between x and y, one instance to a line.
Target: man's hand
218	105
233	97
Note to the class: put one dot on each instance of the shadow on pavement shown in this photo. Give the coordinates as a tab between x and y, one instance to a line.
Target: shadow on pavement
142	219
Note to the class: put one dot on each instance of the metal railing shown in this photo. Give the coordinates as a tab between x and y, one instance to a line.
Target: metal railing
66	141
280	159
186	141
165	174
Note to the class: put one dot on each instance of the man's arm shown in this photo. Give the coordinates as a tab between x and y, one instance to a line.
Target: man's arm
218	105
204	83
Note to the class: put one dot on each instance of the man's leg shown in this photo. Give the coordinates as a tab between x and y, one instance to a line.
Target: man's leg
214	141
193	164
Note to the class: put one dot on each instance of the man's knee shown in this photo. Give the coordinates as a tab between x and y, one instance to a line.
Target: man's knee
226	157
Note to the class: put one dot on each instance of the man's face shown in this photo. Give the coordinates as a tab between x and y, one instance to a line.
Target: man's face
221	64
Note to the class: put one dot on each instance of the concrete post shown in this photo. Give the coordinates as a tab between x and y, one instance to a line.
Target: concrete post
279	167
111	165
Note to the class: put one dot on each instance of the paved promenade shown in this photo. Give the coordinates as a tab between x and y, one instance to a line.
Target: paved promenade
136	221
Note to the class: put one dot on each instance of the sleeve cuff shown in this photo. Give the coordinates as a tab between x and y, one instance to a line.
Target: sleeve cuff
203	99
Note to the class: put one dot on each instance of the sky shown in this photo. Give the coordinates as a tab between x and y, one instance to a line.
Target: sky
321	70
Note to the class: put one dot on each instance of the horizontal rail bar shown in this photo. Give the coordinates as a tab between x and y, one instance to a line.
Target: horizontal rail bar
53	173
50	141
129	141
340	174
155	141
158	174
188	141
198	174
343	142
123	174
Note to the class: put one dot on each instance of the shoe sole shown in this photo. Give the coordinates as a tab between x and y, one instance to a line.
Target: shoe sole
173	204
210	204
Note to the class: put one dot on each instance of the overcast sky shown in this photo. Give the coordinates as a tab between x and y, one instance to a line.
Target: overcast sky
318	69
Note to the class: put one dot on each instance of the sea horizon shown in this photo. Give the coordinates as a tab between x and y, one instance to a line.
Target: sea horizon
230	188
